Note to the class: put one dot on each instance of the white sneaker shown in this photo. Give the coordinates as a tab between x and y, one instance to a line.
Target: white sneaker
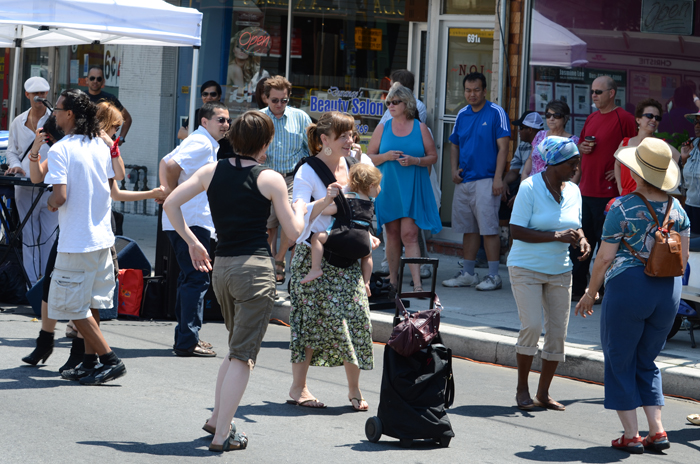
490	283
462	280
426	271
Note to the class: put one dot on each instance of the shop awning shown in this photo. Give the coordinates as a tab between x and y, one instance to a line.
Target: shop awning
554	45
53	23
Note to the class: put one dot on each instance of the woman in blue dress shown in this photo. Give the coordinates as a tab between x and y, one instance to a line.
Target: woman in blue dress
403	149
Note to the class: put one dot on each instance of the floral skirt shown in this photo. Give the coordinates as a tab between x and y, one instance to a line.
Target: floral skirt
330	315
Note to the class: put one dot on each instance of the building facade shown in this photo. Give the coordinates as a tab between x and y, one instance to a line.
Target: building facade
339	54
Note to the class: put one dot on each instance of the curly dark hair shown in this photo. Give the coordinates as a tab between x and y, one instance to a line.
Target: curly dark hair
84	111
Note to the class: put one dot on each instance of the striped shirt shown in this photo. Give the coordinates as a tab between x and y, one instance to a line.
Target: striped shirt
476	135
290	143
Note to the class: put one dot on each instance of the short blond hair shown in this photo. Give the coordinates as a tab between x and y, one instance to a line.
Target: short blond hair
363	177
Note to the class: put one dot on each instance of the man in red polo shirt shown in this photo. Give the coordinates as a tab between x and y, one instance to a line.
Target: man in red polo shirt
609	125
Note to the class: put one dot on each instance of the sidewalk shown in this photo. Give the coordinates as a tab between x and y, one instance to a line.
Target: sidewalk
484	325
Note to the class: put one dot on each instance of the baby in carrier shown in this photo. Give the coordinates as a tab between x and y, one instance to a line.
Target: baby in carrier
350	238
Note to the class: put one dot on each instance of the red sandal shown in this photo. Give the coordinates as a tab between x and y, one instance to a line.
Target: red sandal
657	443
631	445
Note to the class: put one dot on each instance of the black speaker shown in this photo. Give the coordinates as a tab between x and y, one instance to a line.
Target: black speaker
130	256
167	267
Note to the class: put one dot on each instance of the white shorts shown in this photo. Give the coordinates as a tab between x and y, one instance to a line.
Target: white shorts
81	281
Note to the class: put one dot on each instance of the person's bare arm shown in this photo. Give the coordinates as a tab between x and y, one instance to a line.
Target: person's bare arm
373	148
58	197
454	163
501	159
157	194
273	186
126	126
169	172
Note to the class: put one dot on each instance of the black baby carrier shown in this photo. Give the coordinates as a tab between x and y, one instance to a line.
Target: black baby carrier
348	239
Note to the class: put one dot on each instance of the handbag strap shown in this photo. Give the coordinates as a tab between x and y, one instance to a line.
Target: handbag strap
656	221
450	385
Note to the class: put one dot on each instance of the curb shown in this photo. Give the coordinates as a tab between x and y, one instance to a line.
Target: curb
500	349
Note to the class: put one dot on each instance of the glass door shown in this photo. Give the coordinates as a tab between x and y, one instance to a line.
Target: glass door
463	50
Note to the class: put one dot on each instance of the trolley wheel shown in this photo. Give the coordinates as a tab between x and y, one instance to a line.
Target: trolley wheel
443	442
373	429
406	442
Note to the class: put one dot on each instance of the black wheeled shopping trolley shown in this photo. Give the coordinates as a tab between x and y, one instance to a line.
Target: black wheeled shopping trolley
415	390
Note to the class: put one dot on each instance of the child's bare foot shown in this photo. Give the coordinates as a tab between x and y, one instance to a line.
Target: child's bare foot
313	274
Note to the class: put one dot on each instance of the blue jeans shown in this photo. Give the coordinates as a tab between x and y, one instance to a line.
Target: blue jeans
192	285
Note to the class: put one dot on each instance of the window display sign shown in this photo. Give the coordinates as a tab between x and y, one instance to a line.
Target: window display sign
368	38
573	86
667	16
356	104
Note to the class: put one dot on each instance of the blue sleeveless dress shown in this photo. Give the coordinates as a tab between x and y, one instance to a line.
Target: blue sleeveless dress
406	190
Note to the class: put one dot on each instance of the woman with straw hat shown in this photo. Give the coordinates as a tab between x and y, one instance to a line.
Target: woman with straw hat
638	310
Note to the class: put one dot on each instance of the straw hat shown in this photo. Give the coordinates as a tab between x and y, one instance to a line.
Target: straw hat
652	161
692	117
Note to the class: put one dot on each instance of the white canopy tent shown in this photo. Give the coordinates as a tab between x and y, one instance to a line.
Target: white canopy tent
52	23
554	45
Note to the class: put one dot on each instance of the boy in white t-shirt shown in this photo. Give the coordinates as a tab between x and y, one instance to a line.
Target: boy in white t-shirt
79	167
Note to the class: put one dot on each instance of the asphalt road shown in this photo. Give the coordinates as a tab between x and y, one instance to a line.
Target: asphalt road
155	413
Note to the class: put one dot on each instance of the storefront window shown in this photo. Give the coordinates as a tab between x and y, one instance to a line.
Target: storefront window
472	7
75	61
341	54
650	48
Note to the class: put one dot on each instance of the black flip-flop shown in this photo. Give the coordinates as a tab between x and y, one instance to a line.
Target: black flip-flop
304	405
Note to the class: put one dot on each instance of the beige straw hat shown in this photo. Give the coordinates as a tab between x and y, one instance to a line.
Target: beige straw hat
652	161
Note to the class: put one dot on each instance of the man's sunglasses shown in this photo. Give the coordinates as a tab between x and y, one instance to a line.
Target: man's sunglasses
652	116
393	102
210	94
223	120
275	101
98	78
553	115
598	92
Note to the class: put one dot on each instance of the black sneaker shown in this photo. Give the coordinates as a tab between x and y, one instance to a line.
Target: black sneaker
78	373
104	374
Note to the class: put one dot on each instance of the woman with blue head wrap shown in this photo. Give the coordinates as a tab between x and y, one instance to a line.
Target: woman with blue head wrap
546	220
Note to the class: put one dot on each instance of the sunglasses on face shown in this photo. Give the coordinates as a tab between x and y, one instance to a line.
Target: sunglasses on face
598	92
210	94
222	120
393	102
652	116
553	115
275	101
93	78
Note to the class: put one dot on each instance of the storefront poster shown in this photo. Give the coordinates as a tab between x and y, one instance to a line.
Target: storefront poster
620	97
578	125
582	95
543	94
563	92
113	56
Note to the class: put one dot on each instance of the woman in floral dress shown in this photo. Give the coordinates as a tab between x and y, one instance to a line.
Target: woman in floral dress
330	322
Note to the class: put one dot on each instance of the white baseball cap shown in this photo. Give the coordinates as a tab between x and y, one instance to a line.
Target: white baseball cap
36	84
530	119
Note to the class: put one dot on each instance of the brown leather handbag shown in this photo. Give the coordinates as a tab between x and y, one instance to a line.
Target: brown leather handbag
666	257
417	330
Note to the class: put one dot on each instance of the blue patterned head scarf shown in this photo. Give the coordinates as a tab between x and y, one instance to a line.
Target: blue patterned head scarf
556	150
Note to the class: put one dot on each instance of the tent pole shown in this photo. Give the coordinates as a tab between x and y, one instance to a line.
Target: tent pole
15	76
193	89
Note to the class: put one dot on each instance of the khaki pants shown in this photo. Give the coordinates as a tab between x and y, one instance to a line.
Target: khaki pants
533	292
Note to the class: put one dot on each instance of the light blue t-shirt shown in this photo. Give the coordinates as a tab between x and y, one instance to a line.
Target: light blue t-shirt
629	218
476	135
535	208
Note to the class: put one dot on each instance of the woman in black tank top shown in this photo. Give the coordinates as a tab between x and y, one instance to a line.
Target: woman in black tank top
240	192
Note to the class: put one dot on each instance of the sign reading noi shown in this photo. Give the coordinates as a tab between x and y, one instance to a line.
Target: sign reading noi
355	104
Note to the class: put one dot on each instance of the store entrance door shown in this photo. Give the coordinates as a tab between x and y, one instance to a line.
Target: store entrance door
465	47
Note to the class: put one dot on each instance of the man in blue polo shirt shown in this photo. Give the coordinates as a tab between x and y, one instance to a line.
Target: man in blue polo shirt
478	155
